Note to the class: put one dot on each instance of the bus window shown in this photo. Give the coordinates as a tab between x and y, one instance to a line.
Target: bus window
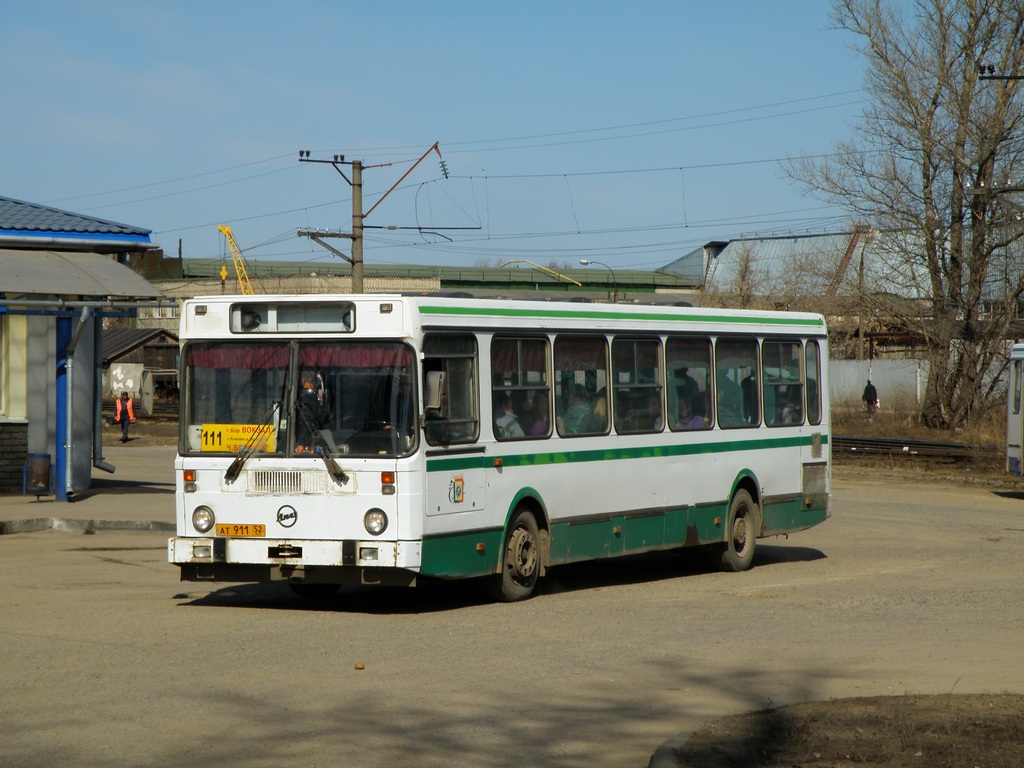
812	372
231	388
636	373
581	385
450	360
738	397
783	390
520	393
355	397
688	387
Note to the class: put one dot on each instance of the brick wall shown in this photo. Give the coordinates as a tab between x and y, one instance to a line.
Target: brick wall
13	455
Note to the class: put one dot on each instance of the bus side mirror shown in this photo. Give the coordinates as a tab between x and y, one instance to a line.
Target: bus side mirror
435	396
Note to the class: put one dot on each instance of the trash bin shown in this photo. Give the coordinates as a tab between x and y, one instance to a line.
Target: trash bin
38	477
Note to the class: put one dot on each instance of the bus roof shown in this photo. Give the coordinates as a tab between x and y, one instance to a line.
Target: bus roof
433	311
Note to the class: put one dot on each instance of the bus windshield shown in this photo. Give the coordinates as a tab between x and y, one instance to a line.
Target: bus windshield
299	398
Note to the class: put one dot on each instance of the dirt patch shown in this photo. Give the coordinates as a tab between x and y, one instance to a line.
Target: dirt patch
144	432
947	731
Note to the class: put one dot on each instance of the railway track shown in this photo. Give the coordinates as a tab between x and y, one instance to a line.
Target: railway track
895	447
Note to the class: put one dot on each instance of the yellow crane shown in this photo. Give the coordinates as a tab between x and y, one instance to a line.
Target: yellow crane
238	260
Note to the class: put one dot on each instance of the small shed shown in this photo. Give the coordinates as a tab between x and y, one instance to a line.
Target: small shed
142	362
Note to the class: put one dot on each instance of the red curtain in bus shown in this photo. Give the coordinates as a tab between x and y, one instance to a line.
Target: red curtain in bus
355	355
262	356
580	354
245	356
532	355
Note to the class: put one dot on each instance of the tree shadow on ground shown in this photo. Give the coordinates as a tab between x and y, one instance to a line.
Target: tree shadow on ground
885	731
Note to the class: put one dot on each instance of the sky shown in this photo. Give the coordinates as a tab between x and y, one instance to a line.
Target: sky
626	134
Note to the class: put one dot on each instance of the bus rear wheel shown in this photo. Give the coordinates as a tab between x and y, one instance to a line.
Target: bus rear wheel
520	566
741	533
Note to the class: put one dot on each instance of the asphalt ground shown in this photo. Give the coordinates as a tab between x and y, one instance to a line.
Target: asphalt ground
138	495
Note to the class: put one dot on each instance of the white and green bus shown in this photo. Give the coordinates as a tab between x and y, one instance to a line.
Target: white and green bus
374	439
1015	413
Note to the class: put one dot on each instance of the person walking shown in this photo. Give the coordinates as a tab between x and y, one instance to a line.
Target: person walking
124	414
870	398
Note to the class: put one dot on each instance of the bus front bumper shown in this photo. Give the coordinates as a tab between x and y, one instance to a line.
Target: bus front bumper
261	560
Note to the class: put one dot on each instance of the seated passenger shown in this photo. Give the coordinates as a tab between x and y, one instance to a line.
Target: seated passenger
685	416
597	421
506	423
578	410
645	417
540	425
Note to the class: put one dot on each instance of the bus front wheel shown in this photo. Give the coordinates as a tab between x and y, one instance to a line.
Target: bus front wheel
520	566
741	534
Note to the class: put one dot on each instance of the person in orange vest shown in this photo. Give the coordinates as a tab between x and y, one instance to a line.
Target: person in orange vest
124	414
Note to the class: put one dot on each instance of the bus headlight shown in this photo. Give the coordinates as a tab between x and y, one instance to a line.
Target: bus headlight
375	522
202	519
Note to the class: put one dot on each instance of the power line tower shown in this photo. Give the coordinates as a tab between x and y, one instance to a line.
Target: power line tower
358	217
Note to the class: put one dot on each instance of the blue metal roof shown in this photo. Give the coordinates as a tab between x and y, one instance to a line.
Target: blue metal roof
30	220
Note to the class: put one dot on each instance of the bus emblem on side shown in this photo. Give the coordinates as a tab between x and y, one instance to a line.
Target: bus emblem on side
457	490
287	516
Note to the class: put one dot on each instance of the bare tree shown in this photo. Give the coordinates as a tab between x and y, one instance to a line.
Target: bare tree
747	287
924	167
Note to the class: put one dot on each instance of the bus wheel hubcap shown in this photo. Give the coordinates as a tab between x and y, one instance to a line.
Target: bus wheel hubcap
523	554
739	533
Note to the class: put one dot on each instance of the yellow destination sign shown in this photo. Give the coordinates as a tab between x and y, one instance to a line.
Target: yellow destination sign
231	437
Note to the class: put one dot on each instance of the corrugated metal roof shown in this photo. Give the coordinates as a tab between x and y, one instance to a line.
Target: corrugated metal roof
20	216
120	341
807	263
69	274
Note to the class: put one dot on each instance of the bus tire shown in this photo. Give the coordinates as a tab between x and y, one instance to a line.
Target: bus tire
741	533
520	562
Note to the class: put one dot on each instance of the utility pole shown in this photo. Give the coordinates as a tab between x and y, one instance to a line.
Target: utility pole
357	226
317	235
358	217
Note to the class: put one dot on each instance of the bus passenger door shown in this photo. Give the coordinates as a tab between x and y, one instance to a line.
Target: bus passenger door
456	461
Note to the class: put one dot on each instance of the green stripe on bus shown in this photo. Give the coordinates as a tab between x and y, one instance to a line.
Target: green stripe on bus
476	553
459	555
617	454
793	516
599	314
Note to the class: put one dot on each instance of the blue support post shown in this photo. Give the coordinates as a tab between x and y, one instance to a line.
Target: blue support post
61	438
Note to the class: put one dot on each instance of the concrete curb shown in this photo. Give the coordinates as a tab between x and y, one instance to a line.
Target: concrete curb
31	525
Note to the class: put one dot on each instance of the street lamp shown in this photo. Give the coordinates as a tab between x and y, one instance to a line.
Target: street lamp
615	284
546	270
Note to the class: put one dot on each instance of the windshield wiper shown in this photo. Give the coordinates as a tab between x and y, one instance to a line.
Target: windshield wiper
256	440
333	469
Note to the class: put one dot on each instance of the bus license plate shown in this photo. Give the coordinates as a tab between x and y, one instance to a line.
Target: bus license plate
241	529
